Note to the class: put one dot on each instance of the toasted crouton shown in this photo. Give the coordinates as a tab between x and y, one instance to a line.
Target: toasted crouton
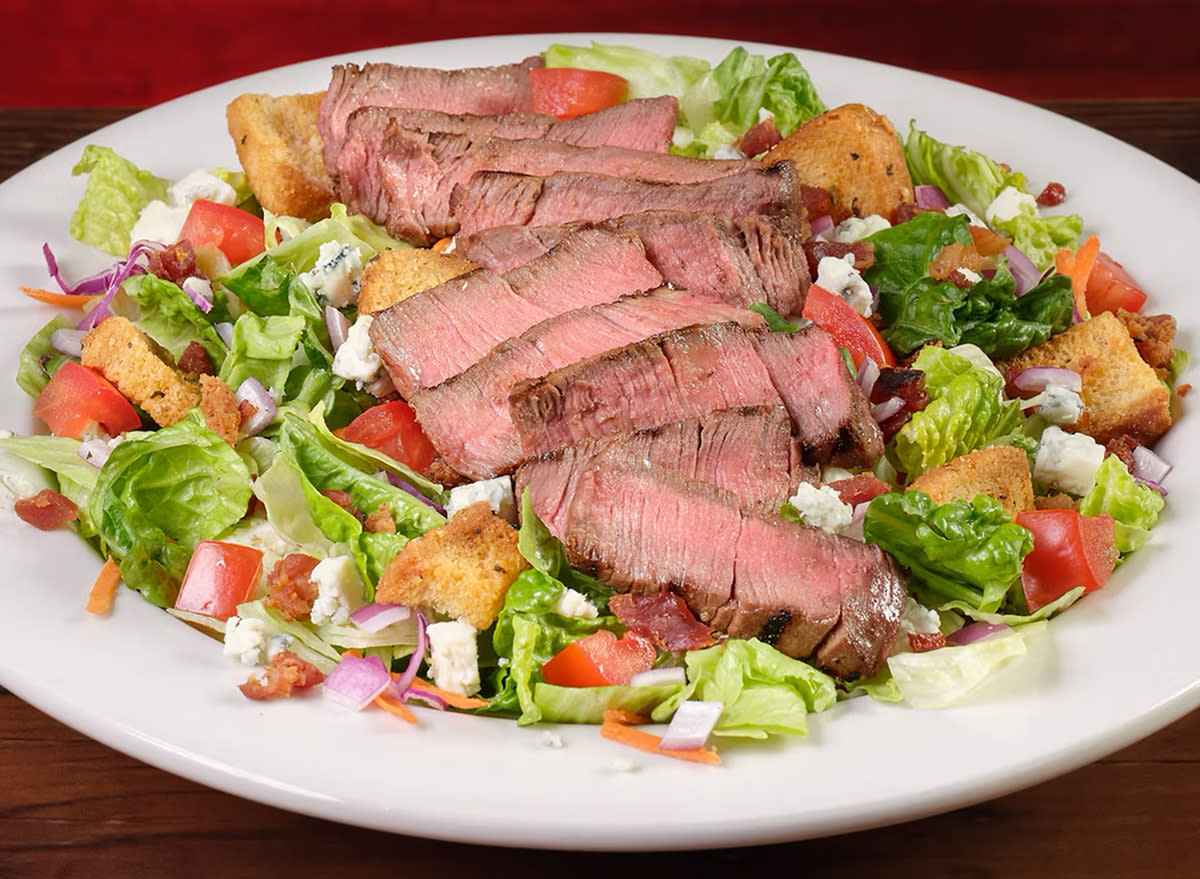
1000	472
1121	393
854	153
462	569
141	369
280	150
220	408
394	275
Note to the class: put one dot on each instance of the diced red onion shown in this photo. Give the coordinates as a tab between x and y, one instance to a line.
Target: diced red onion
868	374
405	486
430	699
68	341
1150	484
405	678
675	674
860	512
1026	274
1149	466
95	451
225	331
373	617
1035	378
889	407
199	291
977	631
355	681
252	391
820	225
338	325
691	726
927	195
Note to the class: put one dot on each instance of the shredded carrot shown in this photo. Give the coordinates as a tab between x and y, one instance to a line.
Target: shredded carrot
100	599
616	715
1078	267
395	707
440	245
644	741
454	700
66	300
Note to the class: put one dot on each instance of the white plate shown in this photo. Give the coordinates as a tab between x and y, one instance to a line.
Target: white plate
1117	667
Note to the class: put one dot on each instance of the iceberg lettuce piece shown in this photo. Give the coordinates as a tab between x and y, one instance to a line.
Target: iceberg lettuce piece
965	176
115	194
1135	507
938	678
1040	236
588	704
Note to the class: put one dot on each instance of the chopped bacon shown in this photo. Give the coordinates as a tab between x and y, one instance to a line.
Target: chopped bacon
957	256
176	263
246	410
864	253
1122	446
987	242
47	509
195	359
380	522
290	588
760	138
1052	195
920	642
343	500
664	617
907	384
819	202
905	211
285	674
855	490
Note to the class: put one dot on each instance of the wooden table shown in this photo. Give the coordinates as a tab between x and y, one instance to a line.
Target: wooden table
72	807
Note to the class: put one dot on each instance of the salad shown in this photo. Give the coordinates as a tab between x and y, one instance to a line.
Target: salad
286	479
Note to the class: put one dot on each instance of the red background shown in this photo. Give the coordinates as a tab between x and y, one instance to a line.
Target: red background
140	52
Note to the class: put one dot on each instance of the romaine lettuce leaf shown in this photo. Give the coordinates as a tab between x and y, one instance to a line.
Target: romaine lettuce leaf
1039	236
746	83
116	192
39	359
965	176
172	319
588	704
60	455
1134	507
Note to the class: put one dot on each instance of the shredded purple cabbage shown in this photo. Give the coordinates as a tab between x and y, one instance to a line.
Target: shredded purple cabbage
109	281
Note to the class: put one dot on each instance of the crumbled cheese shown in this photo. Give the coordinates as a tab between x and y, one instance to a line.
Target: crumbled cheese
1057	404
162	221
728	151
575	605
919	619
278	644
14	487
970	276
356	359
454	656
1008	204
829	473
1067	461
552	740
839	277
245	640
497	492
857	228
339	590
821	506
334	280
199	184
961	210
764	114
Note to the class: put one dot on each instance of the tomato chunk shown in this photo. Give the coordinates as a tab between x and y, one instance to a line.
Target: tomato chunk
237	234
392	428
600	659
1069	550
571	91
1110	287
219	577
76	398
850	330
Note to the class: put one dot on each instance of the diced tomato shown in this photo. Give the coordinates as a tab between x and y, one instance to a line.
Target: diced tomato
922	642
850	330
600	659
392	428
219	577
237	234
1069	550
77	397
571	91
47	510
1110	287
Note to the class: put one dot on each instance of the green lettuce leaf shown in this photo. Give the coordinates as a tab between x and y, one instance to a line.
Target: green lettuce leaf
545	553
115	194
1040	236
746	84
76	479
39	359
172	319
588	704
1135	507
965	176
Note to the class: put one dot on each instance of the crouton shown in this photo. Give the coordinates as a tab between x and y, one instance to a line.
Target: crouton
1000	472
462	569
854	153
394	275
1121	393
280	150
220	408
141	369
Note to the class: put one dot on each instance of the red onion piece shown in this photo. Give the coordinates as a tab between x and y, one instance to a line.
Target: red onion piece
1026	274
1035	378
199	291
691	726
94	451
373	617
355	681
338	326
977	631
68	341
1149	466
112	281
405	486
253	392
868	374
225	331
820	225
928	196
405	678
430	699
676	674
889	407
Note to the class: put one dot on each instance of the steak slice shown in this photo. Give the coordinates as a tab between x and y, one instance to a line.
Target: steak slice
830	414
418	171
467	416
427	338
475	90
499	198
743	261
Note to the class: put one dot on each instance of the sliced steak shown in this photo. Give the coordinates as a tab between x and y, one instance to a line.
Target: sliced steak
427	338
418	171
830	414
475	90
499	198
467	417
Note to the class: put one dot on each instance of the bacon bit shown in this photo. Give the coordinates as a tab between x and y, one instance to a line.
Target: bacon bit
627	718
819	202
285	674
814	251
1052	195
954	257
176	263
195	360
906	211
855	490
987	242
396	707
760	138
290	588
663	617
343	500
1055	501
246	411
644	741
104	590
1122	446
380	521
1183	390
920	642
47	510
